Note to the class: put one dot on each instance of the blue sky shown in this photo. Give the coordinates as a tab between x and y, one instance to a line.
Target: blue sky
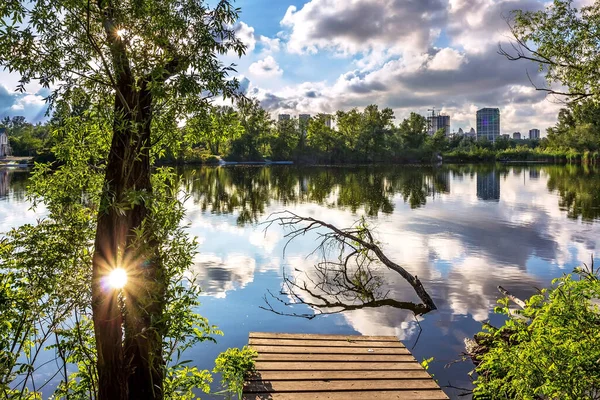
323	55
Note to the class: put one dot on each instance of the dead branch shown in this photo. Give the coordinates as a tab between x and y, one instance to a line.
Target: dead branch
512	297
354	244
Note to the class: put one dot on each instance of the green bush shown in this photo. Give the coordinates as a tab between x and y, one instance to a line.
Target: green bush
234	365
548	350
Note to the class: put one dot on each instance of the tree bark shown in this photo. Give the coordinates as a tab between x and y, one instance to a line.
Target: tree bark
128	340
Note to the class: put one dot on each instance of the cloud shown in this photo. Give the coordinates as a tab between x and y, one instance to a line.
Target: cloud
266	67
270	45
245	33
474	25
363	26
446	59
32	106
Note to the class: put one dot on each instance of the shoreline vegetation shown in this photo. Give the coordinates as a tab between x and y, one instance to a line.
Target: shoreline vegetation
548	346
369	136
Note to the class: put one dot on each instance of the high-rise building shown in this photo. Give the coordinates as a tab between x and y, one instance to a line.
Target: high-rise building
472	133
460	132
534	134
488	124
435	122
284	117
328	119
517	135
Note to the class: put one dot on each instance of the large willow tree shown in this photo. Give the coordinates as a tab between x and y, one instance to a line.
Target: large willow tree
151	63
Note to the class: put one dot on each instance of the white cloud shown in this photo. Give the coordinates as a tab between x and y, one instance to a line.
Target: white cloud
271	45
446	59
245	33
363	26
266	67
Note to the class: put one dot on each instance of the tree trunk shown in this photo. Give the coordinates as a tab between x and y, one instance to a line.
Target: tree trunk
130	364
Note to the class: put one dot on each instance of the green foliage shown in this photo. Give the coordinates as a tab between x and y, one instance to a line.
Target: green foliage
45	275
234	365
550	349
563	41
25	138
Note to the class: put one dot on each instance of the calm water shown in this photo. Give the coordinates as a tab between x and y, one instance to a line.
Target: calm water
463	230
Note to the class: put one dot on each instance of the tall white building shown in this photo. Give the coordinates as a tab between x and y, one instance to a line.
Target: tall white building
4	144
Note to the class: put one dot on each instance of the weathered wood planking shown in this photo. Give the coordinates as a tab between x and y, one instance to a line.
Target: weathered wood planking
334	367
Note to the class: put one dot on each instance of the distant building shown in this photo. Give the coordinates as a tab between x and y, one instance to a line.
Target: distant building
534	134
4	144
435	122
472	134
517	135
303	122
460	132
506	136
284	117
488	124
328	119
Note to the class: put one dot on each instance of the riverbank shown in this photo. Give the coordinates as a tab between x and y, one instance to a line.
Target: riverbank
15	162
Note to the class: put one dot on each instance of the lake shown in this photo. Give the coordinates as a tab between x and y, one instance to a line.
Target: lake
463	230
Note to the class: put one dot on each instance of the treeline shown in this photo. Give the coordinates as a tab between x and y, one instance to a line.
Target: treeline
26	139
371	135
248	133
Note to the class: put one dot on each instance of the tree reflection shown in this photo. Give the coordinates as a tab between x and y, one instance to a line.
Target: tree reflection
579	190
344	279
248	190
336	290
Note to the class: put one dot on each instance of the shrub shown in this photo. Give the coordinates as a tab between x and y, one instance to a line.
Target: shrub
234	365
548	350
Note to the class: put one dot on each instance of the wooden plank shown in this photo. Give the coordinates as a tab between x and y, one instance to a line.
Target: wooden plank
330	375
310	336
346	358
328	343
336	366
364	395
328	350
343	385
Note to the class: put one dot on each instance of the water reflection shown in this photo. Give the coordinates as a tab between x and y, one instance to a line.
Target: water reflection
248	190
461	229
488	186
12	183
579	190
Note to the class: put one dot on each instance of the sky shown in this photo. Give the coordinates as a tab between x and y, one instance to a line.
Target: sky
410	55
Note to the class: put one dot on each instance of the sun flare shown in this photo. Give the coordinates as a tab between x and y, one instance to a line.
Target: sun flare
117	278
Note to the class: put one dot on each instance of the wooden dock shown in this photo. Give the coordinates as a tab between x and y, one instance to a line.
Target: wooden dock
336	367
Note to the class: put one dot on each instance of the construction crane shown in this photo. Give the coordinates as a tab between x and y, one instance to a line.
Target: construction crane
432	111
